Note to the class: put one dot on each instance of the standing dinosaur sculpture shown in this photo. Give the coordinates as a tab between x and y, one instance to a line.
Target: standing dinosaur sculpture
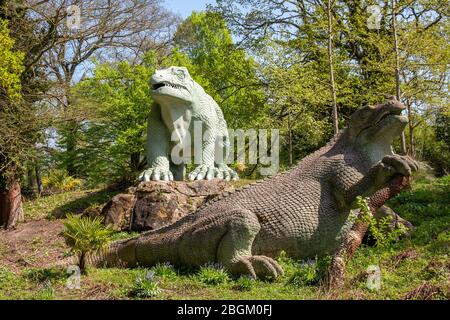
304	211
180	103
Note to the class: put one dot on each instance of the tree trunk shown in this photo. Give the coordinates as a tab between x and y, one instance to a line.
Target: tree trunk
330	61
412	148
38	180
397	67
71	150
291	160
82	262
135	160
30	181
11	205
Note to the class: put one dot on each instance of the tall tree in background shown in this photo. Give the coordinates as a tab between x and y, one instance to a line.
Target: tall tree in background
397	66
329	10
10	141
225	72
52	54
110	31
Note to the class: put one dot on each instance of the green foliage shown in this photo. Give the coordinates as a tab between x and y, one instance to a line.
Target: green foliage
310	273
58	205
380	230
85	234
426	207
165	271
45	275
244	283
224	71
10	62
212	275
144	288
59	180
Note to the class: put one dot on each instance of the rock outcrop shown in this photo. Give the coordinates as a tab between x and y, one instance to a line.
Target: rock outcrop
154	204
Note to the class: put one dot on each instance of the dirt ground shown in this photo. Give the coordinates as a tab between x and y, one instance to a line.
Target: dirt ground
32	244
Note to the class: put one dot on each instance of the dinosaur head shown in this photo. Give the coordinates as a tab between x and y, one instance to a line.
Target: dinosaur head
373	128
173	83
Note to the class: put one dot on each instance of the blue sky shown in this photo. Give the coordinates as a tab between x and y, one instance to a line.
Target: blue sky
185	7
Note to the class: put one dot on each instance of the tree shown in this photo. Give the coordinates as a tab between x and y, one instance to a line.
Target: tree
227	73
116	103
110	31
330	62
39	30
10	72
405	53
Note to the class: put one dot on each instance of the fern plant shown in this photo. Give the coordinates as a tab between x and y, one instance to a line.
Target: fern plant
84	235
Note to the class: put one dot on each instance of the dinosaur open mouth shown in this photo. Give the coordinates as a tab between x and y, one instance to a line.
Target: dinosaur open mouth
383	117
166	84
388	114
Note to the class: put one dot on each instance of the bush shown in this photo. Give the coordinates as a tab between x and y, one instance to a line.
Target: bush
60	180
380	230
164	270
46	274
244	284
311	272
213	275
84	235
145	287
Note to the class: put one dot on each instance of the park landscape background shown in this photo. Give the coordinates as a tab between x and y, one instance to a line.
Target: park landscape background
73	112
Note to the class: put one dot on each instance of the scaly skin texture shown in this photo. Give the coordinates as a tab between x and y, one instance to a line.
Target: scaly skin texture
180	103
304	211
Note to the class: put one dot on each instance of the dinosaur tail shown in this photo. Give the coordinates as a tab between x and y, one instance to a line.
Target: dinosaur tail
117	254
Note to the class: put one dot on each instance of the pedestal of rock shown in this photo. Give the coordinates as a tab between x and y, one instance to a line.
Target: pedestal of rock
152	205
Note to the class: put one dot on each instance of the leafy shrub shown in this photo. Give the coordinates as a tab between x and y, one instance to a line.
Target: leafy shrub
244	284
85	234
310	273
144	287
61	181
380	230
213	275
43	275
164	270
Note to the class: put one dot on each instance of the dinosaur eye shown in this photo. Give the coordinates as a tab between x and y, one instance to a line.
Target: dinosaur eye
180	74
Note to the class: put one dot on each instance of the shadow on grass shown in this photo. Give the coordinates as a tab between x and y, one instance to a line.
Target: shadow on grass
91	200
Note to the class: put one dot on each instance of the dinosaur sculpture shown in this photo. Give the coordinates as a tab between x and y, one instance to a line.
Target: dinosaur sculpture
180	103
304	211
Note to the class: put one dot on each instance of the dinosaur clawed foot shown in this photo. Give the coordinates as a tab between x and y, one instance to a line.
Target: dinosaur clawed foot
257	267
156	174
403	165
211	172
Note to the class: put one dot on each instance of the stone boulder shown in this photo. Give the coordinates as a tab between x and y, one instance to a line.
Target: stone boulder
154	204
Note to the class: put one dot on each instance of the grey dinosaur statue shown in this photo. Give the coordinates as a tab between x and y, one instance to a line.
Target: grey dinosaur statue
180	102
304	211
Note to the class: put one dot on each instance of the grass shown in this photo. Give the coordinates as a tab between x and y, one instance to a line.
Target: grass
417	267
59	205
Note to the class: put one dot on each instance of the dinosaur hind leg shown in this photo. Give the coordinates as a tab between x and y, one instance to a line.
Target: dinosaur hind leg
235	248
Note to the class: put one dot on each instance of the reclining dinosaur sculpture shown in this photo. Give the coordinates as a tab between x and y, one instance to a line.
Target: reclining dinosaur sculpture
304	211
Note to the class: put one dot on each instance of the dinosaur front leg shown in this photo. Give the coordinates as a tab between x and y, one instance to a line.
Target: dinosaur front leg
235	248
352	240
221	155
206	169
380	176
158	150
